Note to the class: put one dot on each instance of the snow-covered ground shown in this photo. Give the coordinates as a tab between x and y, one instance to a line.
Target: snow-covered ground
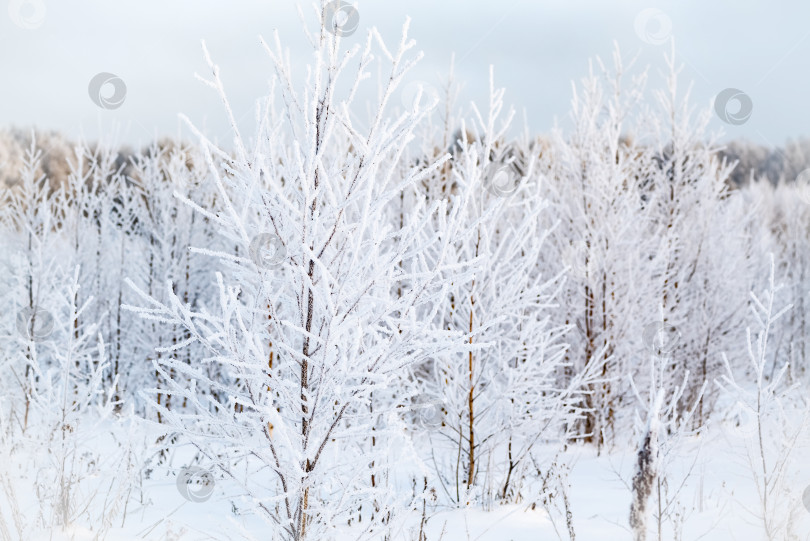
717	498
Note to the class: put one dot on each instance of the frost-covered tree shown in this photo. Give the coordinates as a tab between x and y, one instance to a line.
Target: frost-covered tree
700	261
783	212
665	437
31	252
305	324
602	243
646	472
499	397
161	232
775	415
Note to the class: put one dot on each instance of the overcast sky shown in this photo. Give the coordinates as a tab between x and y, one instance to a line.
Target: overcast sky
538	47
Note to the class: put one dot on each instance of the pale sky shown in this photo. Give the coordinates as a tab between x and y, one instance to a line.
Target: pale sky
538	47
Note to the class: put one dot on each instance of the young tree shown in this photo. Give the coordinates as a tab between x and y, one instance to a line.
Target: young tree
306	325
498	397
701	260
33	242
663	439
592	179
777	413
161	235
